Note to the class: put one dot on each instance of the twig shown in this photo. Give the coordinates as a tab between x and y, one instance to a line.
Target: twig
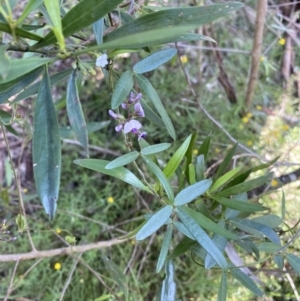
292	284
10	288
68	281
256	50
19	189
61	251
98	276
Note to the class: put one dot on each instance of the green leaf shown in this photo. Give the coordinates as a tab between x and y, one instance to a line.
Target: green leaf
120	173
46	148
191	174
30	6
19	67
256	229
168	291
279	261
268	247
123	87
230	213
184	246
200	168
4	62
154	60
154	149
239	205
155	222
223	287
164	248
270	220
175	160
33	89
246	281
265	165
53	9
19	32
204	148
20	221
146	86
151	115
117	275
161	177
75	113
188	37
173	19
294	261
191	192
20	85
248	245
83	14
189	160
123	160
183	229
202	238
224	179
207	223
244	187
239	179
98	29
225	162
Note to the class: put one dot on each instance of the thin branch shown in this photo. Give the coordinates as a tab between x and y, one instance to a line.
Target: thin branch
292	284
10	288
256	50
68	281
19	189
61	251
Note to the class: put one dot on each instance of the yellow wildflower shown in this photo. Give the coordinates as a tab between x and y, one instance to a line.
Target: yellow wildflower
81	280
258	107
110	200
274	183
217	150
262	58
249	143
195	151
133	242
285	127
249	115
184	59
245	119
57	266
281	41
58	230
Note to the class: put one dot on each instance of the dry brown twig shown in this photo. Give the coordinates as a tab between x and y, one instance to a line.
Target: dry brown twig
256	50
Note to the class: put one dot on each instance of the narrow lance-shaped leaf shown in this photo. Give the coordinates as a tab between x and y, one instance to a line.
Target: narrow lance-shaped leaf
161	177
246	281
168	291
30	6
53	8
19	32
154	149
120	173
164	248
123	87
175	160
154	60
190	171
83	14
223	287
46	148
19	67
75	113
98	28
152	95
155	222
174	18
21	84
294	261
191	192
202	238
123	160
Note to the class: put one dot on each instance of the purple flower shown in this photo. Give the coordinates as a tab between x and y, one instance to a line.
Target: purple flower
119	127
134	97
113	114
124	105
132	126
142	135
139	110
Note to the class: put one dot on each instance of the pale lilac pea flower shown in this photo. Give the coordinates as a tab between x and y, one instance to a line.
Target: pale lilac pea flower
102	60
132	126
139	110
142	135
119	127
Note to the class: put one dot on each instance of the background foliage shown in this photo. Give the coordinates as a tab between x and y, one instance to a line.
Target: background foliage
95	207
